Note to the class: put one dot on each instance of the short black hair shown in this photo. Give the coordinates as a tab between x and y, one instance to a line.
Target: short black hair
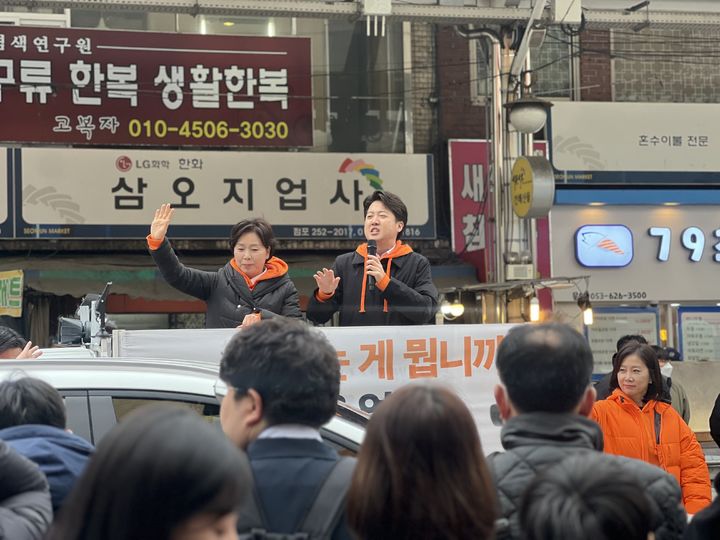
392	202
28	400
583	497
10	339
624	340
647	355
160	466
291	365
545	367
660	352
258	226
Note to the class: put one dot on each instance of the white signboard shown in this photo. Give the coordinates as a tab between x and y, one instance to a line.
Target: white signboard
673	253
634	137
100	193
609	325
700	333
374	362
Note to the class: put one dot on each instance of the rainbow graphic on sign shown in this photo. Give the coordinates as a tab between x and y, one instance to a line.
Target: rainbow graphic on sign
368	171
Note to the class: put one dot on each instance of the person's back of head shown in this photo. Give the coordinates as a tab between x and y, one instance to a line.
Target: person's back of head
11	343
161	471
581	498
544	368
290	369
28	400
421	473
660	352
624	340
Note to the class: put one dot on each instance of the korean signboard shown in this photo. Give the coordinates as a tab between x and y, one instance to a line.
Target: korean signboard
372	366
593	142
638	253
699	333
5	195
75	193
471	205
610	324
96	87
11	293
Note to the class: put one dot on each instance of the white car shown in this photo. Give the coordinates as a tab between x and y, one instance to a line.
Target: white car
98	392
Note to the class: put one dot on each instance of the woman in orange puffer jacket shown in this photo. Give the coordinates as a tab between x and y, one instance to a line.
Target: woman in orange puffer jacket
637	425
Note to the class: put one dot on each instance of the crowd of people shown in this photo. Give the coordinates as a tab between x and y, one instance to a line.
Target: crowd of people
572	466
607	461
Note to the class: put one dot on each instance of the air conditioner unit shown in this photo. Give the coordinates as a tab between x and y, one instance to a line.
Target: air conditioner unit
514	272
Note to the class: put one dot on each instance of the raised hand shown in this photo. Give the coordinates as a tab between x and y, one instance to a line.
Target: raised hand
161	222
29	351
326	281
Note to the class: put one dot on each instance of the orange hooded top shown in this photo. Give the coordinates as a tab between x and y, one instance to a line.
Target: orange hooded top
399	250
274	267
656	433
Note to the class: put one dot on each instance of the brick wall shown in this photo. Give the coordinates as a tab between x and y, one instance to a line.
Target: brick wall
423	86
666	65
595	66
459	118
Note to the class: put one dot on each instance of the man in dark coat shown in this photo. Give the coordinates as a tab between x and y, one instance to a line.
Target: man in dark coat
282	381
33	422
544	400
714	421
392	286
705	525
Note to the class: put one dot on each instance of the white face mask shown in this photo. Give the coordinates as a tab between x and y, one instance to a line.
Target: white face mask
666	369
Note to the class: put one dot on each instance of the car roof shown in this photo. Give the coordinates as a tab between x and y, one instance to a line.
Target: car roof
158	374
150	374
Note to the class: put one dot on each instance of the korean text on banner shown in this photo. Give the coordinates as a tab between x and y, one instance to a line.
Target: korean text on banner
11	293
303	194
98	87
372	366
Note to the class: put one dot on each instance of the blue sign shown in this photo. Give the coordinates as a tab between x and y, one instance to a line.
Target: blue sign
604	246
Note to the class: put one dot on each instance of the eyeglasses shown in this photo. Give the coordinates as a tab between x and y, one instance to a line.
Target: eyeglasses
221	389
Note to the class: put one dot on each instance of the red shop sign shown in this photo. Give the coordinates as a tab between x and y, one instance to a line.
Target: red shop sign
96	87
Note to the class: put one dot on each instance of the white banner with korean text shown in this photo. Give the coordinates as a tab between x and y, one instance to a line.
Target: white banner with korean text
374	361
79	193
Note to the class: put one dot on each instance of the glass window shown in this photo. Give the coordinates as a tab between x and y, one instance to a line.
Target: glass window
367	107
552	65
209	411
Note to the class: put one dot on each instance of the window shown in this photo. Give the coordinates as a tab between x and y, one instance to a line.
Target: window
552	65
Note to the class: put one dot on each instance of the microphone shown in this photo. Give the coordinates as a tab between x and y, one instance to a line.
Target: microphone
371	250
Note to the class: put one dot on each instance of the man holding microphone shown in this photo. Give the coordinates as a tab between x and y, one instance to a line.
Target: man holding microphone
382	282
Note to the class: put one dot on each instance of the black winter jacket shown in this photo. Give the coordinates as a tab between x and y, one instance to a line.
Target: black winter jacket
411	295
714	421
227	295
705	525
534	441
25	508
